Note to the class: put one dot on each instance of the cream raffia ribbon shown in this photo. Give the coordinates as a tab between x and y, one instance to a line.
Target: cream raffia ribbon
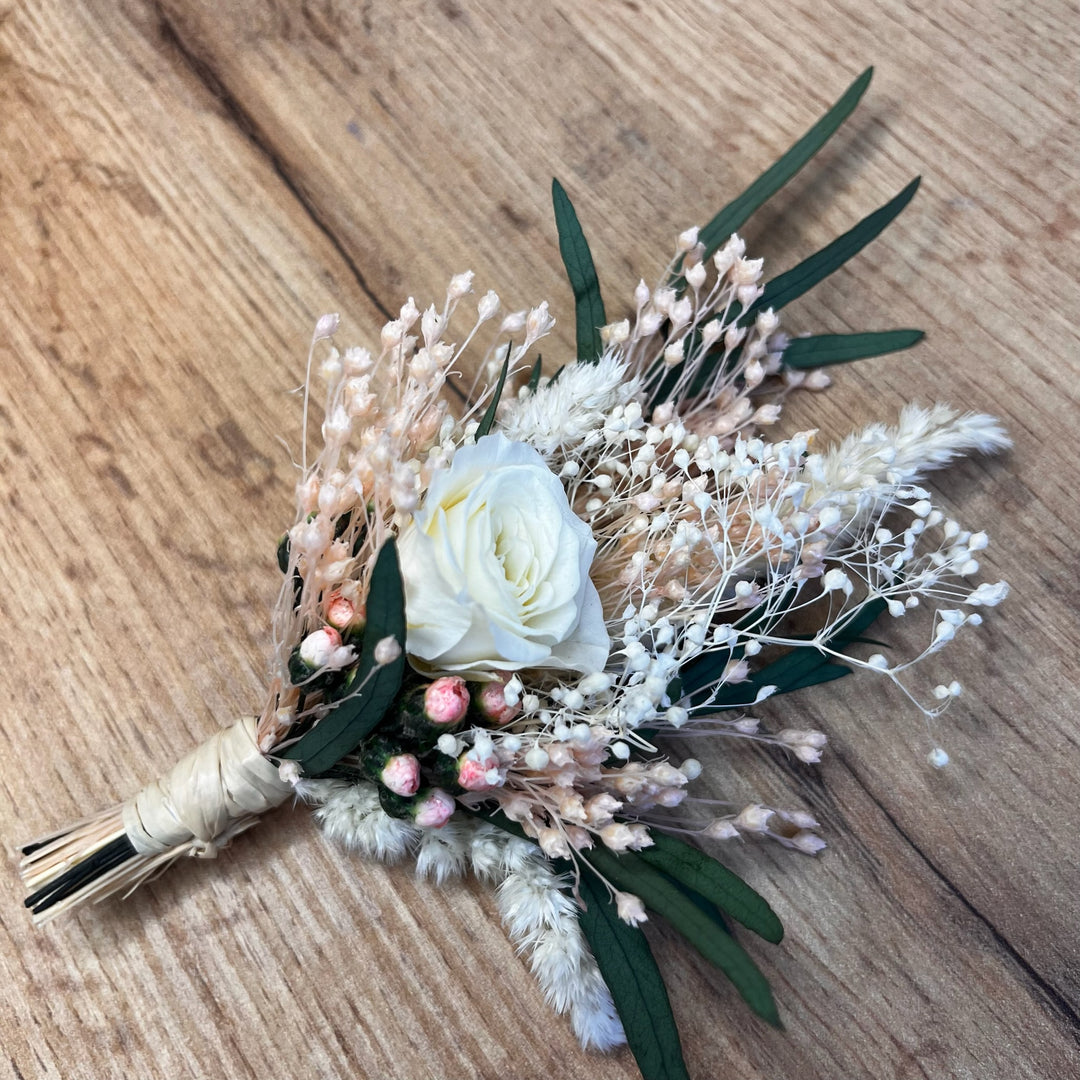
208	797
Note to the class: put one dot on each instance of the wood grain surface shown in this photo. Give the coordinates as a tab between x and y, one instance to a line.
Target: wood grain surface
186	186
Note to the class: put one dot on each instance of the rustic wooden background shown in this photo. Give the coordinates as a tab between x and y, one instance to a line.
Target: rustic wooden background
186	186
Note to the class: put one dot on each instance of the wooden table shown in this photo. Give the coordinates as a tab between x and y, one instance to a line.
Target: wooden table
185	187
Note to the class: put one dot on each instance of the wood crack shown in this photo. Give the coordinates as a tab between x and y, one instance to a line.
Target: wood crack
1056	1001
208	78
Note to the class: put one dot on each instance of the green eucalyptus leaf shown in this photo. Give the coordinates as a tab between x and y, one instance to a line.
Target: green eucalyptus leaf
630	873
715	882
738	211
345	726
802	278
824	349
637	988
574	248
489	413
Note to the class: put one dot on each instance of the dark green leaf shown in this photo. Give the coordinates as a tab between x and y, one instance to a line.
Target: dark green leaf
344	727
797	669
588	304
802	278
534	376
824	349
630	873
707	906
736	213
637	989
715	882
489	414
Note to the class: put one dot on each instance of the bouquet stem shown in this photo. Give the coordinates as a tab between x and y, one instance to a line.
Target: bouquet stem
194	809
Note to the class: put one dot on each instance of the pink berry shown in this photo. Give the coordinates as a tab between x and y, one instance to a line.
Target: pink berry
446	701
401	774
340	611
434	810
493	704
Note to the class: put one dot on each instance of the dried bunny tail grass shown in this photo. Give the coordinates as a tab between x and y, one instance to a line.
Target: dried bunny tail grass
541	918
215	793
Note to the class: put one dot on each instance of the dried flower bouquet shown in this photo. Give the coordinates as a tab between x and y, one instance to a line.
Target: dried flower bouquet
490	618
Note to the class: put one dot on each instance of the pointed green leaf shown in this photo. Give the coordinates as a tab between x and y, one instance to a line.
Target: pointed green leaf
736	213
637	988
489	414
797	669
824	349
345	726
588	304
715	882
630	873
802	278
534	375
707	906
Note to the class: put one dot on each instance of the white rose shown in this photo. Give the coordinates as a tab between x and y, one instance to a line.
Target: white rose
496	569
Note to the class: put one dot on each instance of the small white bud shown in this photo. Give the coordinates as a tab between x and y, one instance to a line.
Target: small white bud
691	768
721	830
387	650
537	759
688	239
938	758
807	843
289	772
596	683
488	306
460	285
695	275
448	745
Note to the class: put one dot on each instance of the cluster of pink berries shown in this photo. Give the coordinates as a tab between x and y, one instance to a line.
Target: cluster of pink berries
418	762
414	757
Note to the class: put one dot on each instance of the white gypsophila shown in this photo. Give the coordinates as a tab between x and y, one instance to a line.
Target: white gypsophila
568	413
496	565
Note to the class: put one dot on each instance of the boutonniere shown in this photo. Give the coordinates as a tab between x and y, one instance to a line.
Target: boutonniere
502	625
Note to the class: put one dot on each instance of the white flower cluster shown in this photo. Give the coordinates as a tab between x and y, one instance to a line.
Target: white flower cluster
702	540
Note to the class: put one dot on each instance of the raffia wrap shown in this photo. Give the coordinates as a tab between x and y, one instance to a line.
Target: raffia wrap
208	797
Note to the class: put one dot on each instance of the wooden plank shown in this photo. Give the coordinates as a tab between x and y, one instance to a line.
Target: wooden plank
186	188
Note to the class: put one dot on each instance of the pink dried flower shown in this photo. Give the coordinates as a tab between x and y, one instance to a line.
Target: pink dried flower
434	809
476	775
492	703
342	613
446	701
401	774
